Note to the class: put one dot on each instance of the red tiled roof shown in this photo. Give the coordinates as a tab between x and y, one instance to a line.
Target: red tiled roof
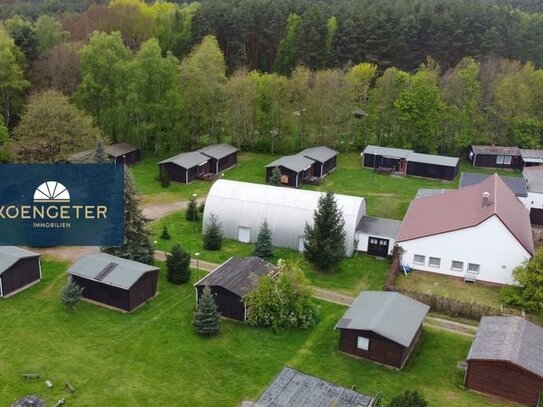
462	208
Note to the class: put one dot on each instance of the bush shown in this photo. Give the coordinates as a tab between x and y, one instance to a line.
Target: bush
165	234
71	294
163	178
275	178
178	266
411	398
207	319
213	234
192	214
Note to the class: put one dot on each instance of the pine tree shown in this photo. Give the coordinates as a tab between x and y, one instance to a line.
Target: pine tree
165	234
411	398
71	294
163	178
213	234
192	214
137	238
324	244
263	245
99	154
275	178
178	265
207	319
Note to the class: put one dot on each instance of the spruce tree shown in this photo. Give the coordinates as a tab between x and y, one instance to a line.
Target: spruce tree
411	398
165	234
263	245
207	319
324	244
213	234
192	214
99	154
137	238
163	178
178	265
275	178
71	294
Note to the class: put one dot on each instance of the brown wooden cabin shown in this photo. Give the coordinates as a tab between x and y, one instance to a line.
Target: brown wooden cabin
19	269
506	360
382	326
124	153
115	282
385	157
222	157
186	167
495	157
232	281
325	160
295	169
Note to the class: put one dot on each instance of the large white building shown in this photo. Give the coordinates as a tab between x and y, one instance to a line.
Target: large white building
241	207
481	232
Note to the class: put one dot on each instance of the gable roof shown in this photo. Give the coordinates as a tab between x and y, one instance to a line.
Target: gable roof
118	150
110	270
509	339
293	388
187	160
320	154
433	159
238	275
533	177
379	226
495	150
218	151
463	209
531	156
516	184
9	255
389	314
387	151
296	163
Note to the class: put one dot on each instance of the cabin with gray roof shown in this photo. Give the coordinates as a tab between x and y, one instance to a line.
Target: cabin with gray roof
115	282
232	281
123	153
377	236
186	167
19	269
222	157
495	156
506	360
382	326
325	160
295	170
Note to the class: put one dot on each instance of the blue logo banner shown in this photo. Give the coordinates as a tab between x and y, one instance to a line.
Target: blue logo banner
44	205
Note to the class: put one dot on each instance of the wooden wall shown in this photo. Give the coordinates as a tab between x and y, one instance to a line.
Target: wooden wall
143	290
21	274
229	304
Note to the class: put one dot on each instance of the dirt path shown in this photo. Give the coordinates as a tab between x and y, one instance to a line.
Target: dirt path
154	211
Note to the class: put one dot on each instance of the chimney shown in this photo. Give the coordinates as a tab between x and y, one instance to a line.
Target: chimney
486	197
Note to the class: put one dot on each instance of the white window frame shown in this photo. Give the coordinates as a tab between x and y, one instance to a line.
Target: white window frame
438	265
362	343
423	262
457	268
500	159
507	159
473	271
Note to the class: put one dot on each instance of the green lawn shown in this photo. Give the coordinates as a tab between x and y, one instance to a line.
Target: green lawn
153	358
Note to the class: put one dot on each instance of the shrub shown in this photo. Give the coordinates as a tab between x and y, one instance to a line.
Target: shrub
411	398
71	294
165	234
213	234
192	214
275	178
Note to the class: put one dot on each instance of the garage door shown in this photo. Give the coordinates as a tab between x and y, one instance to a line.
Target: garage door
536	216
378	246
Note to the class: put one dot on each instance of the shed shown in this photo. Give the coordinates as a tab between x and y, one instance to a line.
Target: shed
506	360
295	169
186	167
292	388
115	282
232	281
325	160
495	156
515	184
382	326
377	236
531	158
124	153
241	207
387	157
222	157
19	269
432	166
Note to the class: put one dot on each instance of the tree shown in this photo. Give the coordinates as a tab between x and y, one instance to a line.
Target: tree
5	153
263	245
192	214
49	32
58	68
242	110
324	241
284	302
163	177
71	294
165	235
99	154
137	238
411	398
286	57
275	178
52	128
24	34
213	234
178	265
207	320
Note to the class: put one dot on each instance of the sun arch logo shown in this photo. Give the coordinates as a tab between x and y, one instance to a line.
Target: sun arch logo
51	191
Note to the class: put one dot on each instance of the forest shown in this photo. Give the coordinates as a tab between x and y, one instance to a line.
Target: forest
431	75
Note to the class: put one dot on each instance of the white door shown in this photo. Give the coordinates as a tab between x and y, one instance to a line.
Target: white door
301	244
244	234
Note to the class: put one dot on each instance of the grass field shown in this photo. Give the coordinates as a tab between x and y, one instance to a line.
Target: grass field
153	358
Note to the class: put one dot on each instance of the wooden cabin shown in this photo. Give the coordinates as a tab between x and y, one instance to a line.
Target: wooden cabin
186	167
495	157
432	166
325	160
295	169
385	157
124	153
222	157
19	269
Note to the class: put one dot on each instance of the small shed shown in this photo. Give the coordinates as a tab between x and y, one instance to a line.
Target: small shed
382	326
325	160
186	167
377	236
222	157
531	158
495	156
19	269
433	166
292	388
232	281
115	282
295	169
124	153
385	157
506	360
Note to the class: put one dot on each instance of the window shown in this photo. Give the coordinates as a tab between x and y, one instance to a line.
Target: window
499	159
507	159
363	343
434	262
457	265
473	268
419	259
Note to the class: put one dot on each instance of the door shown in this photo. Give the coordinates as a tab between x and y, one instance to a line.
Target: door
378	246
244	234
536	216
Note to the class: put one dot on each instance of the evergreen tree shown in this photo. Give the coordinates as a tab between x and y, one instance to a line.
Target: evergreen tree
286	56
263	245
411	398
71	294
137	238
192	215
213	234
275	178
163	178
99	154
165	234
207	320
178	265
324	244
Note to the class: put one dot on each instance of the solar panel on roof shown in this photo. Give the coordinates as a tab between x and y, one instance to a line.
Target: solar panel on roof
105	272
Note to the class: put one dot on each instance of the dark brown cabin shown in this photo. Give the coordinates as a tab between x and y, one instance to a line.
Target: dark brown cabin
495	157
506	360
295	170
186	167
325	160
124	153
222	157
382	326
115	282
19	269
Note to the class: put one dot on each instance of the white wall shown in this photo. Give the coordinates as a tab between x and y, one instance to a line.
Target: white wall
489	244
534	200
362	239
